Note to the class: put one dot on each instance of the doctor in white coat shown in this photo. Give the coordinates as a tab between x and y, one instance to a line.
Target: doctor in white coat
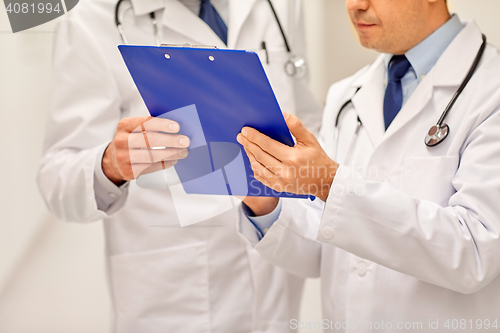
163	278
406	237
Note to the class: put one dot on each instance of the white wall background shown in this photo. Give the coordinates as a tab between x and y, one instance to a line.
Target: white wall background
52	274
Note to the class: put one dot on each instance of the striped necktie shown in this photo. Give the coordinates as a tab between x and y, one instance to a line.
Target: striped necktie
393	101
209	14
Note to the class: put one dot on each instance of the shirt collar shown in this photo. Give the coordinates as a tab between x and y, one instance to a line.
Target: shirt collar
425	55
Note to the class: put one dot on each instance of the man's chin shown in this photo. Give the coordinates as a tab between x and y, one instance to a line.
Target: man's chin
372	44
367	43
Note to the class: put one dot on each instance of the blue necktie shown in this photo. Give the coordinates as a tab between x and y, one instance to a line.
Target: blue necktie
393	101
213	19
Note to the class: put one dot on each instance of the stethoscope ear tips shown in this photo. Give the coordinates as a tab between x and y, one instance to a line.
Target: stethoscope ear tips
436	135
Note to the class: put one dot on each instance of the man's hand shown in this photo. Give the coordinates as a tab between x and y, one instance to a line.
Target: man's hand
302	169
143	145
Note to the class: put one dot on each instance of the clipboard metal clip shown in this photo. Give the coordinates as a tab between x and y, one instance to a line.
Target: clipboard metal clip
190	46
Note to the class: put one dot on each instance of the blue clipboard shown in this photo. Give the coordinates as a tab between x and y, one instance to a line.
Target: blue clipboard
212	94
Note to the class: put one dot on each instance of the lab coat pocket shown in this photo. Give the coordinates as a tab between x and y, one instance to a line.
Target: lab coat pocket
430	177
162	291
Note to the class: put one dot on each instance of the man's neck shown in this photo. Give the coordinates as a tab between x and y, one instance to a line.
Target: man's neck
435	22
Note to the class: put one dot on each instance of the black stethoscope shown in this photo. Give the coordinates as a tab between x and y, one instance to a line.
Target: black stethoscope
437	133
295	66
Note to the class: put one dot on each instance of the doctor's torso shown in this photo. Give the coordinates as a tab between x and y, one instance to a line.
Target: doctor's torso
202	278
356	289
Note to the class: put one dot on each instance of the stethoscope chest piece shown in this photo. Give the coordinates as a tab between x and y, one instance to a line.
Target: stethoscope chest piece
436	135
296	67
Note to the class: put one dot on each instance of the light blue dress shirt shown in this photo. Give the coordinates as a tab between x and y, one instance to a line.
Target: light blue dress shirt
264	222
422	58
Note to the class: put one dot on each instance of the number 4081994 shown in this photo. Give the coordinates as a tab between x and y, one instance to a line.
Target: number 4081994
26	8
478	324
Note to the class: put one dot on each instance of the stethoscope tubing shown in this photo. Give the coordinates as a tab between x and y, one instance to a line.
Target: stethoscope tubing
439	124
293	63
464	83
285	39
337	128
121	30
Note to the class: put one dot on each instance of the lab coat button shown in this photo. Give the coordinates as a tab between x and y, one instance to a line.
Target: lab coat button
112	195
327	232
265	230
362	269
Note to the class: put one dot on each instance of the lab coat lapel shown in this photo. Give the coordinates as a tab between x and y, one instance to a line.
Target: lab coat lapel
239	10
450	70
143	7
179	18
417	101
369	100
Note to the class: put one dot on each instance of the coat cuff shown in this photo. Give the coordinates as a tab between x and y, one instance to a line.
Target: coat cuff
109	197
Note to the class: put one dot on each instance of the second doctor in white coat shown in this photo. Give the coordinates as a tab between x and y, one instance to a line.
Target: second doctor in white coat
163	278
408	239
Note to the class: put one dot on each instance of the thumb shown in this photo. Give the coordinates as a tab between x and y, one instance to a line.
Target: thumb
298	130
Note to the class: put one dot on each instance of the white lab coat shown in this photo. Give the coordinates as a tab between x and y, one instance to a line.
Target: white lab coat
408	234
163	278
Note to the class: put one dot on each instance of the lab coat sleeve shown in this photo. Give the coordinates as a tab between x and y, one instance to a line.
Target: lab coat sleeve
84	112
454	247
290	243
308	109
106	192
